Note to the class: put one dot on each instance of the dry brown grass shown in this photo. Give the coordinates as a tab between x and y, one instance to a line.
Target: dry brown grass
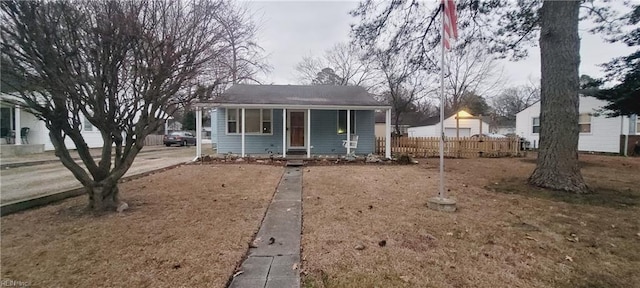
505	234
184	229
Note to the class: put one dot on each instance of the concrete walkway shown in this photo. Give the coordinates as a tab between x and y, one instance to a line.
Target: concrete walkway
274	258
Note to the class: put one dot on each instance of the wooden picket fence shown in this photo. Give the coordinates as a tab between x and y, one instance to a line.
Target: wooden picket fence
463	147
153	140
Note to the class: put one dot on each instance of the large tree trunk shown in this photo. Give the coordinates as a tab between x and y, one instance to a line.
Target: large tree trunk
103	197
557	167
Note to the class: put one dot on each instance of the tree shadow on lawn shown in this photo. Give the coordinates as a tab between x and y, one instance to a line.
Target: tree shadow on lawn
582	164
599	196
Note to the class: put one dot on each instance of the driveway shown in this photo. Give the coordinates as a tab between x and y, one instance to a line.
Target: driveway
29	181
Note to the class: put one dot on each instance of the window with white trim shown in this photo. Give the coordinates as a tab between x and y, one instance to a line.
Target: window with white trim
536	125
342	122
258	121
638	126
87	126
584	123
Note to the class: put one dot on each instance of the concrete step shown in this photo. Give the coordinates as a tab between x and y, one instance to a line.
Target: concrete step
295	163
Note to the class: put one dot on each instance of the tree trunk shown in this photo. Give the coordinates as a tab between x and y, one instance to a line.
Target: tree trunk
103	197
557	166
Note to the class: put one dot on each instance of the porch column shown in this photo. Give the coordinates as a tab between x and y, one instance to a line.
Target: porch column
308	133
242	132
198	132
284	133
166	126
18	136
387	138
348	131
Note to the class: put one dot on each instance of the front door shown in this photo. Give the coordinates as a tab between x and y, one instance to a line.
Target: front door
296	127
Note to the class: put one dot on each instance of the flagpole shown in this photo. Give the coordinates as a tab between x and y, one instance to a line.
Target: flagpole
441	202
441	193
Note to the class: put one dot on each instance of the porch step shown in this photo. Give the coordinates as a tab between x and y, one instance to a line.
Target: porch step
295	163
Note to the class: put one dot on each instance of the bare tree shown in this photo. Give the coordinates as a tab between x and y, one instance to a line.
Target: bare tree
470	70
404	84
505	29
347	63
420	111
244	58
121	65
515	99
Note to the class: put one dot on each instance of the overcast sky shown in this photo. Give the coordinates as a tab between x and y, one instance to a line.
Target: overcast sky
291	30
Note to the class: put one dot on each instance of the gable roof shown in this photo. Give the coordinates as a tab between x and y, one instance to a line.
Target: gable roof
436	119
297	95
433	120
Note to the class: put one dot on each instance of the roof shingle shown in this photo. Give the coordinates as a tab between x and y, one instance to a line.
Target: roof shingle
298	95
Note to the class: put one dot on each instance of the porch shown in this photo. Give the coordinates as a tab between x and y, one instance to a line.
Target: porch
9	150
293	131
17	132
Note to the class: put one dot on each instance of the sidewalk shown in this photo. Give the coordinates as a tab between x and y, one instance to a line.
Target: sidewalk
50	157
41	180
274	257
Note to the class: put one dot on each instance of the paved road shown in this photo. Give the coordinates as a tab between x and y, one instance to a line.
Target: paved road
29	181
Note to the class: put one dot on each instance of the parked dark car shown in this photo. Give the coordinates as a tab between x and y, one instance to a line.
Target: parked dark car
489	135
182	138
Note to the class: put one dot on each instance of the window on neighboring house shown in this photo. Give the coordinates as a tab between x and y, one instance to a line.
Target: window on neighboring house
87	125
258	121
536	125
342	122
638	125
584	122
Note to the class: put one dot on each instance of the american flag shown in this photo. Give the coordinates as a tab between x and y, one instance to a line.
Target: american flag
449	20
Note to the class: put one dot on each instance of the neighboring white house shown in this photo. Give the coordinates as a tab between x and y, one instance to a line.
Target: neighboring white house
597	132
13	119
468	125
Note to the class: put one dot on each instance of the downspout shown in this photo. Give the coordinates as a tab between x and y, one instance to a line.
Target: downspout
626	136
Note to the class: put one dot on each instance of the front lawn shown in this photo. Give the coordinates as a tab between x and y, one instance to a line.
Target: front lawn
367	226
186	227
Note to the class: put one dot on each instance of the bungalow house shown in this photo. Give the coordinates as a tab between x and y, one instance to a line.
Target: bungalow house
460	124
293	119
598	133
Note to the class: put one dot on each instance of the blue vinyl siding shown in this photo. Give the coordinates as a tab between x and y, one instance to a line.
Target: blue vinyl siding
324	132
253	144
324	137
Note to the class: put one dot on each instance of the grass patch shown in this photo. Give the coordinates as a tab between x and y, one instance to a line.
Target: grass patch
599	196
186	227
356	280
521	237
582	164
